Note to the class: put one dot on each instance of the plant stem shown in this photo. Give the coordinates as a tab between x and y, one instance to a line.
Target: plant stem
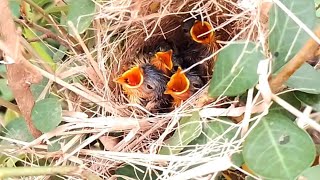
43	30
38	171
305	53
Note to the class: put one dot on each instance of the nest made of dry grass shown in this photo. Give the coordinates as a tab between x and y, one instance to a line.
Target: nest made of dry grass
143	24
124	29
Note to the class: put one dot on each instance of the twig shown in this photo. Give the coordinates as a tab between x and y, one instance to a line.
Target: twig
307	52
20	73
45	32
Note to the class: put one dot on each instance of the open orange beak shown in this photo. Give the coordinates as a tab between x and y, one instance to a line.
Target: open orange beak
132	78
163	61
202	32
178	84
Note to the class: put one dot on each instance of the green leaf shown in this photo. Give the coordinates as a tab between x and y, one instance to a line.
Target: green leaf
59	54
37	89
237	159
290	98
15	7
40	48
81	14
5	91
47	114
236	69
54	146
189	128
137	172
312	100
3	69
17	129
56	9
312	173
9	116
216	129
286	37
277	149
305	79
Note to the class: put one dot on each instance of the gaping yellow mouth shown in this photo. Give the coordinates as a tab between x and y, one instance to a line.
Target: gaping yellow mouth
163	60
178	84
202	32
132	78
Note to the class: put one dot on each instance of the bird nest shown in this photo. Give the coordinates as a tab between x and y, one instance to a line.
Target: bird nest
129	33
134	32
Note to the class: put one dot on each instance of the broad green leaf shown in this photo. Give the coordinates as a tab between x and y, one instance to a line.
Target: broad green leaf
47	114
305	79
237	159
312	173
15	7
312	100
5	91
287	37
3	68
236	69
188	129
290	98
220	132
216	129
277	149
56	9
37	89
58	55
81	14
9	116
54	144
137	172
17	129
40	48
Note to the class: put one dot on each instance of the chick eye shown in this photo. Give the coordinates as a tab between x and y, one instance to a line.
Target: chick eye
196	85
149	87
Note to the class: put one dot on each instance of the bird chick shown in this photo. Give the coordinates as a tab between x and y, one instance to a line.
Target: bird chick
163	61
144	83
202	32
181	86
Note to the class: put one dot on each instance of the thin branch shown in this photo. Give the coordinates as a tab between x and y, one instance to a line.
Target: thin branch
306	53
20	72
45	32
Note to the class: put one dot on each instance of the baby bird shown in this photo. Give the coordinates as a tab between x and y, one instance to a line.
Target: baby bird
181	86
202	32
163	61
145	83
201	44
